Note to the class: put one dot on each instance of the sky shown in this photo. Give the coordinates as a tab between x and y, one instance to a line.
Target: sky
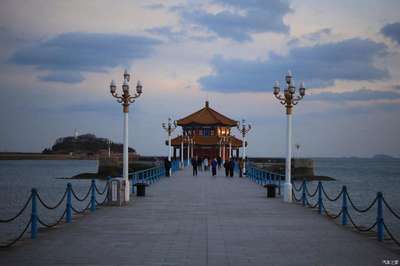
57	59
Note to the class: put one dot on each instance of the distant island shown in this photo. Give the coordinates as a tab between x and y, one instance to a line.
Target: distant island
383	157
86	144
83	147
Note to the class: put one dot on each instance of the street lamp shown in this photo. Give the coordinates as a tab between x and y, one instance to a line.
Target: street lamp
126	99
289	99
169	127
244	129
187	140
181	150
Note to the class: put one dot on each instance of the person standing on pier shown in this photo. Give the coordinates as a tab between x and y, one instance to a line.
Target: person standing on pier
205	162
167	166
226	166
200	164
219	161
214	164
194	166
231	167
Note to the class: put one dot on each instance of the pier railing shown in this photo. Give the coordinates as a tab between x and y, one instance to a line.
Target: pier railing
91	200
66	202
147	176
319	196
264	177
151	175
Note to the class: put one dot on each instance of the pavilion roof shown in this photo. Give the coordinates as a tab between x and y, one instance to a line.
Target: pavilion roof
207	116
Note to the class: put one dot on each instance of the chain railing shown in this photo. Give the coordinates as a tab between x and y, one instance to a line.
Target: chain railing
378	226
319	196
66	202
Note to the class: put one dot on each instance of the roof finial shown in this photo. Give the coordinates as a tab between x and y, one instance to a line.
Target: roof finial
207	103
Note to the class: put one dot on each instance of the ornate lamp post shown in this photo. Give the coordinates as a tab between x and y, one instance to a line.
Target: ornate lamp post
126	99
244	129
169	127
289	99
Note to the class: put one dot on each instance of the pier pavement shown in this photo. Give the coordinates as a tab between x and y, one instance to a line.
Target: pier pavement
203	220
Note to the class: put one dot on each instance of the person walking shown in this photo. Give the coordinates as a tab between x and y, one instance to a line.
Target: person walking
200	164
167	166
219	161
231	167
226	166
205	163
214	165
194	166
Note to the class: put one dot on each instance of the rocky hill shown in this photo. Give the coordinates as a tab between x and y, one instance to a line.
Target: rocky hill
87	144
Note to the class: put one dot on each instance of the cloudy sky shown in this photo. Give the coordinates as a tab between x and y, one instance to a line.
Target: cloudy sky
58	57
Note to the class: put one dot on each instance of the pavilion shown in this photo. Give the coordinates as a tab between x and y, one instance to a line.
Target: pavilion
207	133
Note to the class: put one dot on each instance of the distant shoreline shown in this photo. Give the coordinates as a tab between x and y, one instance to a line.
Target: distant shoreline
17	156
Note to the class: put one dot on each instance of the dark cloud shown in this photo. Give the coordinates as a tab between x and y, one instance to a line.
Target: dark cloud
83	52
166	32
63	76
356	95
154	6
241	18
392	31
319	65
313	37
169	34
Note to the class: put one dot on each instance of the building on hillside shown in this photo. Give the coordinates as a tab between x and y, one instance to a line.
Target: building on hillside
206	133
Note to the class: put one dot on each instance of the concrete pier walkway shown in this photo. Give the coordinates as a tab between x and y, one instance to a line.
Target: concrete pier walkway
202	220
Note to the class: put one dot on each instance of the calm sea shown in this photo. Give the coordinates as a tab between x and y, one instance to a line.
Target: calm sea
17	178
363	178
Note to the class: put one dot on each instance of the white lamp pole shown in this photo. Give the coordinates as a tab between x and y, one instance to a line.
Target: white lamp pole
126	99
289	99
243	129
223	149
192	144
188	150
230	149
170	127
181	153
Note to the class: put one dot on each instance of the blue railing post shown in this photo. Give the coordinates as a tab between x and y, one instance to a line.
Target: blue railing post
344	206
264	178
69	203
304	196
34	214
320	197
379	218
93	197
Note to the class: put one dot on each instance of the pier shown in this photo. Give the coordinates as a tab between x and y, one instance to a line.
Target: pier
203	220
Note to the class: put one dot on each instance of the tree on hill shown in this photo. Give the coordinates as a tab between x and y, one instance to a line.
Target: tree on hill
84	144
